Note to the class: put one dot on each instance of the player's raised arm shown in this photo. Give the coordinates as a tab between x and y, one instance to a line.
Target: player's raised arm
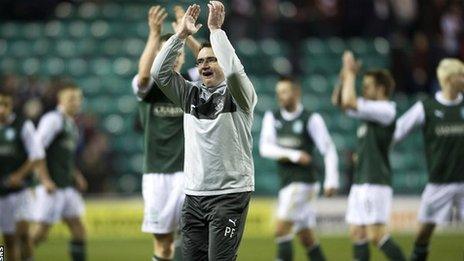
142	83
191	42
375	105
173	85
318	131
414	117
348	89
238	82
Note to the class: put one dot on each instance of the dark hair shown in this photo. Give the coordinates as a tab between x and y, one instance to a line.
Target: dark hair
205	45
289	78
165	37
384	79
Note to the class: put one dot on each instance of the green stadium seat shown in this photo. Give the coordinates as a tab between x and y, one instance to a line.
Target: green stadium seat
266	102
10	30
41	46
273	47
3	47
33	30
381	46
55	29
315	47
52	66
316	84
30	66
65	48
127	104
77	67
111	11
65	10
358	46
19	48
133	47
88	10
91	85
78	29
116	86
9	65
336	46
101	29
101	66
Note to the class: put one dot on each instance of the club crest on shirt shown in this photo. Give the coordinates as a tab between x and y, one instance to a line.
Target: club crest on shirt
297	127
361	131
439	114
10	134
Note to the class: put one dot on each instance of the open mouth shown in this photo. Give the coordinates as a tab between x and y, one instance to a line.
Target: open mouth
207	73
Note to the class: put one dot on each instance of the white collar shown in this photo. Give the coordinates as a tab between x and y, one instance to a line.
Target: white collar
444	101
288	116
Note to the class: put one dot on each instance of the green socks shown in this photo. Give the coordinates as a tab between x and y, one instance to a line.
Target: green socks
315	253
420	252
77	249
361	251
391	249
284	248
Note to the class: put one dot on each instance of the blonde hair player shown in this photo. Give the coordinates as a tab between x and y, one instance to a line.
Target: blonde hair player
441	120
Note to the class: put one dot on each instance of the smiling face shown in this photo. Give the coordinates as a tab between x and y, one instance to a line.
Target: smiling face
210	72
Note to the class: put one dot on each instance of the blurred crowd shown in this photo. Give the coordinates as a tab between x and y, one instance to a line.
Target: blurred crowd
35	96
420	32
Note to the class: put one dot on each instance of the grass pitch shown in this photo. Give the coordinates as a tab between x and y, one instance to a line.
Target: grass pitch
447	247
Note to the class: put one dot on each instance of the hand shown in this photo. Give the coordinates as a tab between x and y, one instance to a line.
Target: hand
81	183
216	15
49	185
329	192
179	13
14	180
187	25
304	159
350	64
156	17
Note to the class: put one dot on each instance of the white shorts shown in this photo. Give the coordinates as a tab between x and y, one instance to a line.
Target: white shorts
294	204
163	196
369	204
25	205
15	207
63	203
438	201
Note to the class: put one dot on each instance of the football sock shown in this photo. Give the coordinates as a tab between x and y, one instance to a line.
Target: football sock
391	249
77	249
284	248
361	251
420	252
155	258
315	253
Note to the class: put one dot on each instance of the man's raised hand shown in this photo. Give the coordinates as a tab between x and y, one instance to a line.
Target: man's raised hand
216	15
187	24
156	16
